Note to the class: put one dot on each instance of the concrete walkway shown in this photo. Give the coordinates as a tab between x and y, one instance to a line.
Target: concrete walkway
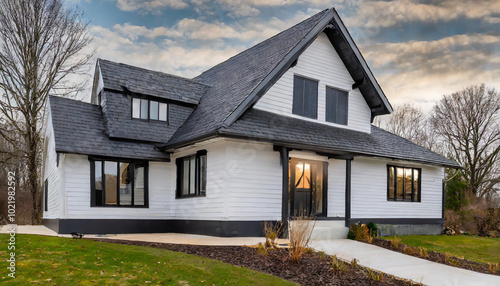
403	266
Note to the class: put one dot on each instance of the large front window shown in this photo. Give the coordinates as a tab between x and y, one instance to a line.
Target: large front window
403	184
192	175
119	183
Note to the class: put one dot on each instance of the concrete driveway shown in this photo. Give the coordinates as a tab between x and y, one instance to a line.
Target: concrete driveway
403	266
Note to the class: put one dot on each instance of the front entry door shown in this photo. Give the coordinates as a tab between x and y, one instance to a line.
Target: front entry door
307	184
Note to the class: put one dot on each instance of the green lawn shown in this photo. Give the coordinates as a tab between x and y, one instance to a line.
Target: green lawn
481	249
66	261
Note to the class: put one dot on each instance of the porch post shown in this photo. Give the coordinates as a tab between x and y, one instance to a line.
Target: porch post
347	191
284	209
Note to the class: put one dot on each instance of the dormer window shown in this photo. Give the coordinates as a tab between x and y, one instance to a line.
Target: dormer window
336	106
149	109
305	97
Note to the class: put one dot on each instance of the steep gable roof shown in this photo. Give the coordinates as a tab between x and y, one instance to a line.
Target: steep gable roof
121	77
239	82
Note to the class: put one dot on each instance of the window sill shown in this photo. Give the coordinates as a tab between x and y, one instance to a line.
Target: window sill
191	196
128	207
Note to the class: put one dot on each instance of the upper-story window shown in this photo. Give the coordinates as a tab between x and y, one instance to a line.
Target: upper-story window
305	97
149	109
336	106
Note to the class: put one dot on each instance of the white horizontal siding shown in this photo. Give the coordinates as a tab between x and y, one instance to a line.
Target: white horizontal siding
321	62
52	175
254	184
369	192
336	188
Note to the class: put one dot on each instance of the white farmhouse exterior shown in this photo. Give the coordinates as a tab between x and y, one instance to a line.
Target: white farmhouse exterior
282	129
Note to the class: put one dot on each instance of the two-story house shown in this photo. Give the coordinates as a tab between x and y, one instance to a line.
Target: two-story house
281	129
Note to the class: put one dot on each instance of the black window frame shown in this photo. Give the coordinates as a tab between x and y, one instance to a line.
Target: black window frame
93	198
334	116
46	195
198	183
414	199
149	110
299	98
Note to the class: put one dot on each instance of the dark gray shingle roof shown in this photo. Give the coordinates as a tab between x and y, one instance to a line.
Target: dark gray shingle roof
270	127
79	129
116	76
233	80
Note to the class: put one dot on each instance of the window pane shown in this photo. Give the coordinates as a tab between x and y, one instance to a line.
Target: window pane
153	105
136	108
139	184
298	95
163	112
185	176
342	107
111	182
311	99
203	173
336	106
400	184
192	175
408	181
416	180
144	109
125	184
98	183
317	170
391	183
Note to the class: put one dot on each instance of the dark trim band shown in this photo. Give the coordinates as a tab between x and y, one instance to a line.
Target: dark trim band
114	226
396	220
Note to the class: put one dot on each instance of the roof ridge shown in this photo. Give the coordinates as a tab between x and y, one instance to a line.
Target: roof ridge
153	71
260	43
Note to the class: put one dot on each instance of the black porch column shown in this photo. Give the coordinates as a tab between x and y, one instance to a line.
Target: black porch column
284	209
347	191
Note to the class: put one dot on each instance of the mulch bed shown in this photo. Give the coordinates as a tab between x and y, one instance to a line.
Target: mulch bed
314	268
436	256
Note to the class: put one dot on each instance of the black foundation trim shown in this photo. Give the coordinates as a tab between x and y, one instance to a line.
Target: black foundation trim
114	226
396	220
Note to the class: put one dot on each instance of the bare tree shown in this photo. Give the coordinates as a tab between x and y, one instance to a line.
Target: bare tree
41	44
469	123
409	122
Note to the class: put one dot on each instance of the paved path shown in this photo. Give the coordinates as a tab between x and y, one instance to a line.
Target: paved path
402	265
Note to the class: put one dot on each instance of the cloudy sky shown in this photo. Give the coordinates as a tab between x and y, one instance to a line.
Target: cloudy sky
417	49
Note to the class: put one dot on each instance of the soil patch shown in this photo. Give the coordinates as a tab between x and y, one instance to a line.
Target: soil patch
314	268
435	256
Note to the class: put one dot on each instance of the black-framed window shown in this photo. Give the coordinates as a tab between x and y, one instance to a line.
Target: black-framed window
46	195
125	183
403	183
305	97
149	109
192	175
336	105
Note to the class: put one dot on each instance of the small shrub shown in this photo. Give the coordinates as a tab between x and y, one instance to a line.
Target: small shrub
493	268
300	235
372	227
422	252
373	275
323	255
338	265
359	232
272	231
395	242
410	251
354	263
261	249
